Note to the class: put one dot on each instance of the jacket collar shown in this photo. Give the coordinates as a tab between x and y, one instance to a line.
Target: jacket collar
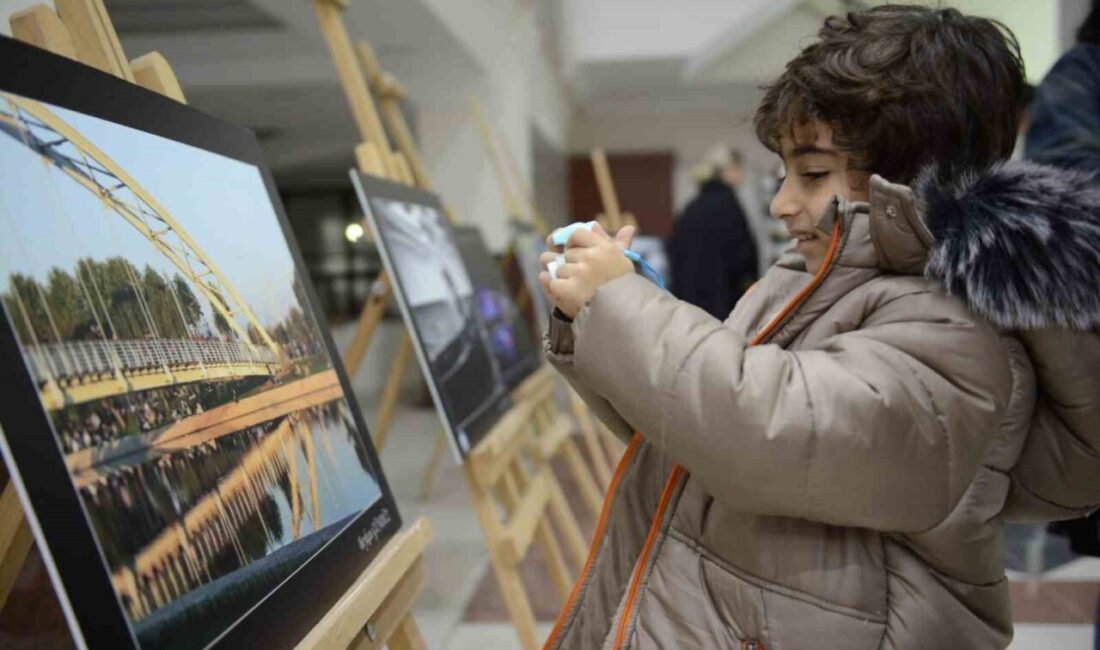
1019	243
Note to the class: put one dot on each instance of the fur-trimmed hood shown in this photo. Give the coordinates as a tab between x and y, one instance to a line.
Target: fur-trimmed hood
1019	243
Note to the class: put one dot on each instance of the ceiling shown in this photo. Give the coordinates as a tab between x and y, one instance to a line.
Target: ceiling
263	64
652	55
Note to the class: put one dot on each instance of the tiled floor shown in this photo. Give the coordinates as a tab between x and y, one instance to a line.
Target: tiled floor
460	608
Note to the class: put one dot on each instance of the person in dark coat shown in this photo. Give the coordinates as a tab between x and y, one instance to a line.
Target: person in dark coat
1064	118
712	253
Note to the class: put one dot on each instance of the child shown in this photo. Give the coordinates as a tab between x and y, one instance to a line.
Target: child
831	466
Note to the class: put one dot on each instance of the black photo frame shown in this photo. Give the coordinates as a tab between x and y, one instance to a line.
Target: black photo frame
272	605
451	343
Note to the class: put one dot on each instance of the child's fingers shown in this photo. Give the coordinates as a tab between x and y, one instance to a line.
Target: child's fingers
583	238
574	255
565	271
560	293
598	229
546	258
625	236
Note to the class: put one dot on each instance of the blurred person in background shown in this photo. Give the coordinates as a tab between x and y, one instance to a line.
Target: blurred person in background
712	253
833	464
1064	118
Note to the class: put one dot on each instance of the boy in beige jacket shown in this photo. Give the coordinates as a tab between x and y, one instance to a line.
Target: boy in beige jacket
830	467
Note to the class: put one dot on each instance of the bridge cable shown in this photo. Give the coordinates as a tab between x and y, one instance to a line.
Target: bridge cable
183	319
63	208
16	294
38	289
143	305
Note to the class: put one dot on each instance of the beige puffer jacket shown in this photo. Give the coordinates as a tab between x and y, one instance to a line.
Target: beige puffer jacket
831	467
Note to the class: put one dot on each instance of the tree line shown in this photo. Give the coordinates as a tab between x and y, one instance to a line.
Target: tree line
112	299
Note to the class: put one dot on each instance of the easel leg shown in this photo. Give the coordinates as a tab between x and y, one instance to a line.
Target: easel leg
567	524
388	403
590	493
406	636
15	541
514	483
519	607
369	319
507	575
591	438
427	479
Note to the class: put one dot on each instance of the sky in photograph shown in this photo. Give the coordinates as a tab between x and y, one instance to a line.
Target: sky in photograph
47	219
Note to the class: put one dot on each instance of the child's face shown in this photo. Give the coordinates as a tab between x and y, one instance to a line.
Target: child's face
815	171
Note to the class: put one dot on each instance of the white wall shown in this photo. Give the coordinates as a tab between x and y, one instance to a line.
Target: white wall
520	89
623	29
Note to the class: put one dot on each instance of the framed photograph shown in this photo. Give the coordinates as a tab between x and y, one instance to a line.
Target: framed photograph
439	303
187	448
510	337
522	275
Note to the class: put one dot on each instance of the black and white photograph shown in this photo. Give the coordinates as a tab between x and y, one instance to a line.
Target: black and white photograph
453	341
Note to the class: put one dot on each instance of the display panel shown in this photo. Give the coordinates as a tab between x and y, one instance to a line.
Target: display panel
439	302
177	421
509	335
526	247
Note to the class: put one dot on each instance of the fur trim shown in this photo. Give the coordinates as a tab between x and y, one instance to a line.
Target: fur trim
1020	243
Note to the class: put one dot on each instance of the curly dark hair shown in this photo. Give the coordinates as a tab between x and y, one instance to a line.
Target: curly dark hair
902	87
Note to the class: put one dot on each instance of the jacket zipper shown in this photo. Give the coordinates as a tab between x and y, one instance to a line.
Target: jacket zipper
650	540
597	539
793	303
678	471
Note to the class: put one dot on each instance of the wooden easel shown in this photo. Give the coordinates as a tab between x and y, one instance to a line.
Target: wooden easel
390	93
519	204
377	609
509	470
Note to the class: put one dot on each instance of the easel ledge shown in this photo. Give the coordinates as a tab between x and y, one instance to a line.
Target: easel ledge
383	596
376	610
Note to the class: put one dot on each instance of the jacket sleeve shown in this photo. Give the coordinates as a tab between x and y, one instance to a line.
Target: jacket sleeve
1064	119
1058	473
881	427
558	347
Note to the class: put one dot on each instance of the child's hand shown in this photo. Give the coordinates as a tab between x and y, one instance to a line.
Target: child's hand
592	259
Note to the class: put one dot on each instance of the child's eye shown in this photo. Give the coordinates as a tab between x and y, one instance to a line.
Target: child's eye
814	176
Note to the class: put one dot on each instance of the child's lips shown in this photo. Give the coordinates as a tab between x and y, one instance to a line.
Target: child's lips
803	245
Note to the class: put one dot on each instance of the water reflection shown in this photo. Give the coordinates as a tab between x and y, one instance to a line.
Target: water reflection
177	522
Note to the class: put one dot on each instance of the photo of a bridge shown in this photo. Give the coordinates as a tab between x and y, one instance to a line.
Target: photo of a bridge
160	313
